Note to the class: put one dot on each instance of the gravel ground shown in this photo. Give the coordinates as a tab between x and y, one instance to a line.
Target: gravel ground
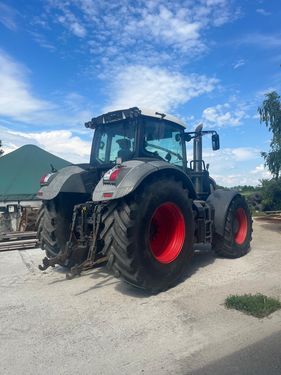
96	324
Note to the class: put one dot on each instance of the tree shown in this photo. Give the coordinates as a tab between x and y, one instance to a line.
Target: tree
271	194
270	114
1	151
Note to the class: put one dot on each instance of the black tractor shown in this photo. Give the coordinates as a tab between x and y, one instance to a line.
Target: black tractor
138	205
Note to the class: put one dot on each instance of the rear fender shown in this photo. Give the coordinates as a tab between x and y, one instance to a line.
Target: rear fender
220	200
132	175
72	179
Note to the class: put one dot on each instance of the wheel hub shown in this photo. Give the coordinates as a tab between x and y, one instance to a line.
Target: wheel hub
166	232
240	226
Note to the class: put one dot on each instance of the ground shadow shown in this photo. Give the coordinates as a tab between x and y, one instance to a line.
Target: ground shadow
102	278
262	357
270	223
99	272
274	228
203	256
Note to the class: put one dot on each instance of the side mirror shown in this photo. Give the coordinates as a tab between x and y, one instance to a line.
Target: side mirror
187	137
215	142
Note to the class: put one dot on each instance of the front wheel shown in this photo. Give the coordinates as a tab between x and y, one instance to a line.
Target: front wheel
237	232
152	235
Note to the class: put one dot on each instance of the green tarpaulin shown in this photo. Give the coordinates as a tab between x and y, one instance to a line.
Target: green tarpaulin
21	170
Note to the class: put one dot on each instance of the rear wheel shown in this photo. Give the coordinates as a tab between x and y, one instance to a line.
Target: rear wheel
237	232
53	227
39	224
152	235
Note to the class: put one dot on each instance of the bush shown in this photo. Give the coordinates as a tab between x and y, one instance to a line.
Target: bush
271	194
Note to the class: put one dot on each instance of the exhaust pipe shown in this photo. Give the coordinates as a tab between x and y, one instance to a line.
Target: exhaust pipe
198	158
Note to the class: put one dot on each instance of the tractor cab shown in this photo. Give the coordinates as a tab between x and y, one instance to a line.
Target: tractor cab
146	135
137	134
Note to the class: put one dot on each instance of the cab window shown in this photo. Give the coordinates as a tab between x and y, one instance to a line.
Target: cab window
162	140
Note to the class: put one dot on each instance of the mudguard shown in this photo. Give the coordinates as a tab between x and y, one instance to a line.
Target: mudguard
220	200
72	179
132	174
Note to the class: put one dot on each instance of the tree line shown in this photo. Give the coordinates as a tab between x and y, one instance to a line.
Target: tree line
267	196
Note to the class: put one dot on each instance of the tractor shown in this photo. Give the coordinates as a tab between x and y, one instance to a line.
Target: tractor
139	206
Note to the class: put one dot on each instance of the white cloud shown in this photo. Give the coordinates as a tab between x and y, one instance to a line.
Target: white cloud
261	172
142	27
71	21
62	143
222	115
17	101
231	156
8	16
231	180
261	40
167	27
235	166
156	88
238	64
75	27
246	176
244	153
263	12
42	41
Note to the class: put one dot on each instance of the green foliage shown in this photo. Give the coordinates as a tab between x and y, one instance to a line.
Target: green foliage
265	197
257	305
270	114
245	188
254	200
271	194
222	187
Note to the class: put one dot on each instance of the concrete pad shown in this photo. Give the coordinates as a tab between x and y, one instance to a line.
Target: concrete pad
96	324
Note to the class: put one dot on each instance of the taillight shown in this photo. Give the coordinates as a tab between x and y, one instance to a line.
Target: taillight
44	179
111	175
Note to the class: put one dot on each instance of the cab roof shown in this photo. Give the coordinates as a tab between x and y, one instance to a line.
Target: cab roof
122	114
165	116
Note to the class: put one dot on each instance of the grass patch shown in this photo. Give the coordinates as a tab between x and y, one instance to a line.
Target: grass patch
257	305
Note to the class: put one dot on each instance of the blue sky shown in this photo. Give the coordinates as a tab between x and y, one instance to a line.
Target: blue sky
65	61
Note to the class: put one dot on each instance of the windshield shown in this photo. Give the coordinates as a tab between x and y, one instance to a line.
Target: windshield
112	141
163	141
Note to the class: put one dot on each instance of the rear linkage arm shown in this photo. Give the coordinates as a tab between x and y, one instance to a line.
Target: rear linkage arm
91	260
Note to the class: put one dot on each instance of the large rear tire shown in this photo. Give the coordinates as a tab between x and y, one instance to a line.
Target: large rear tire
237	232
152	235
39	224
53	227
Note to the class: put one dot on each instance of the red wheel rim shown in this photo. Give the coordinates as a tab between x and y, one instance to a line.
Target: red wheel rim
166	232
241	226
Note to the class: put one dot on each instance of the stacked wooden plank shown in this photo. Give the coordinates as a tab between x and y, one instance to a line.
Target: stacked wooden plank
18	241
